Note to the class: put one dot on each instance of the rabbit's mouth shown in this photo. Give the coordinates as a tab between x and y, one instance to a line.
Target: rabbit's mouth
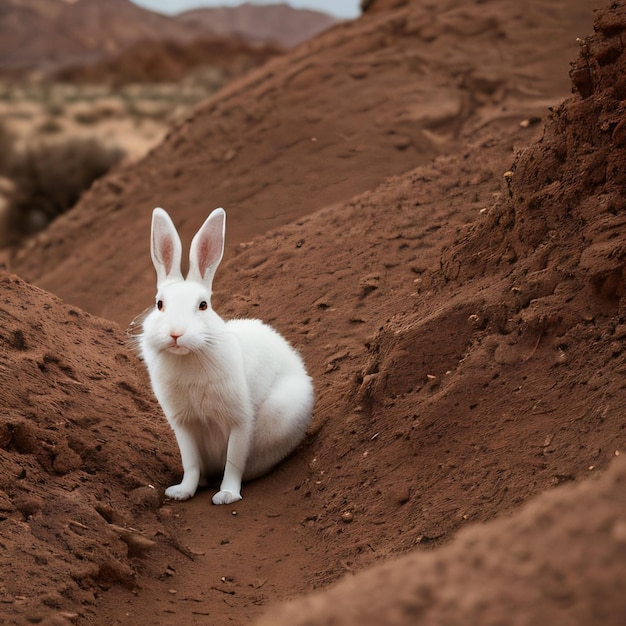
176	348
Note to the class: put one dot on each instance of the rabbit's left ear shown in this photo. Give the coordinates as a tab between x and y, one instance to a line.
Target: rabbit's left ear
165	247
207	248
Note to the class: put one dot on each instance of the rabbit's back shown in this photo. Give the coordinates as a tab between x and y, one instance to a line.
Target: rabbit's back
281	392
265	353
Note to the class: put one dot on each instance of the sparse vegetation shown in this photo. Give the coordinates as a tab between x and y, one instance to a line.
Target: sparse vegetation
86	118
6	148
55	140
48	178
50	127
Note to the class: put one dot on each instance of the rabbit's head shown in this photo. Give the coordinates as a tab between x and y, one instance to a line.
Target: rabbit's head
182	320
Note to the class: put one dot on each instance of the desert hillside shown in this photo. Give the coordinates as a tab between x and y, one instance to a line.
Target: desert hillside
427	203
278	23
336	117
44	34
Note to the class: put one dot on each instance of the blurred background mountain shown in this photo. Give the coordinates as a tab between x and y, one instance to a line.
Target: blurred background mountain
46	35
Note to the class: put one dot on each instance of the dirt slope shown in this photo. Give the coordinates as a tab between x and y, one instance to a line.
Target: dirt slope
467	352
530	569
70	480
334	118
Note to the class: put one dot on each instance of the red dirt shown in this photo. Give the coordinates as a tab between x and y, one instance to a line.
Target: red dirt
464	330
532	568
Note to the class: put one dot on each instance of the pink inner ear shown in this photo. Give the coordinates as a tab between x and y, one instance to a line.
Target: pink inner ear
167	253
204	255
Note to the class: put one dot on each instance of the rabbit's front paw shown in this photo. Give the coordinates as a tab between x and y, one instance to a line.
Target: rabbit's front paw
179	492
226	497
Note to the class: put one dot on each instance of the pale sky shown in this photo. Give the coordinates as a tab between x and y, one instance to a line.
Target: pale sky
344	9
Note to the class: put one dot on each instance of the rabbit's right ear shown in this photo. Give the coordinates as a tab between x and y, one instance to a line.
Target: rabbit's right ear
165	248
207	248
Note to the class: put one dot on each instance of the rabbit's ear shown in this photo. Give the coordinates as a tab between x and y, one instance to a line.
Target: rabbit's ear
165	248
207	248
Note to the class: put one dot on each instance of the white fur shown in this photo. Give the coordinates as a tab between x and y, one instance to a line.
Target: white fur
236	394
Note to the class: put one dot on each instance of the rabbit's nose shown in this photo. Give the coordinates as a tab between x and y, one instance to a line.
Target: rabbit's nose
176	336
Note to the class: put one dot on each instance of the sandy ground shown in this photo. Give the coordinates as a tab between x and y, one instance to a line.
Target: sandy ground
449	259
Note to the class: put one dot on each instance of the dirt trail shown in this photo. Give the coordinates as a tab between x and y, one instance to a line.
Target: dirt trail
297	541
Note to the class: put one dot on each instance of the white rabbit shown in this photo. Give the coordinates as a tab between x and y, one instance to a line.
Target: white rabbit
236	394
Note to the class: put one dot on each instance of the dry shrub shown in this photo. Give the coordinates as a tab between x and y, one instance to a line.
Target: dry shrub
48	179
6	149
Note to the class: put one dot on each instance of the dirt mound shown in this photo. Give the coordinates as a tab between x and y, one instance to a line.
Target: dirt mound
532	568
564	210
556	240
430	412
77	495
337	116
170	61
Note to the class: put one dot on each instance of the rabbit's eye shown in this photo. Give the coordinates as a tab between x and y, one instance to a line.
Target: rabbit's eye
203	306
160	305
